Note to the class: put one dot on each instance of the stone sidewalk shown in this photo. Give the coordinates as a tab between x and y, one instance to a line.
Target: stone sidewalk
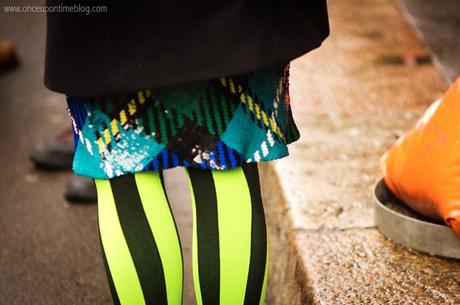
351	99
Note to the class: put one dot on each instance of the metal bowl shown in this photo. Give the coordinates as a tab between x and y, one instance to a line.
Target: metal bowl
405	227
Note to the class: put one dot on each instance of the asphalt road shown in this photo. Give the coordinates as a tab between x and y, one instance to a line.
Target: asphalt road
49	253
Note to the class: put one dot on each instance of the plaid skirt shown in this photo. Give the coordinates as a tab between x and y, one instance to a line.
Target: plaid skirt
215	124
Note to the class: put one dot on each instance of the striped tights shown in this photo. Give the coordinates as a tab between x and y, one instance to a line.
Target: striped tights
142	251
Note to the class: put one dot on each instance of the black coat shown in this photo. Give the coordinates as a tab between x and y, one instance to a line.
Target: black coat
154	43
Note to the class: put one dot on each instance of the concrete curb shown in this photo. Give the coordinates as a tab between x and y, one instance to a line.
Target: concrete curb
287	275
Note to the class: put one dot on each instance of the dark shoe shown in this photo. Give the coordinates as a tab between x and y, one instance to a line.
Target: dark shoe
80	190
8	58
56	154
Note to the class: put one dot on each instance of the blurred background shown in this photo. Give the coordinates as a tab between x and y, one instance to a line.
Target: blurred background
384	63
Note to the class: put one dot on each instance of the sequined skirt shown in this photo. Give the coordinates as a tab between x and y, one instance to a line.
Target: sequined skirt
215	124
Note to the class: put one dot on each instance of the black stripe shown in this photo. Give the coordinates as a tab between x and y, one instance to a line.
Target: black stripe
220	112
160	160
141	242
104	125
165	117
175	120
212	112
143	116
203	114
97	134
231	100
232	104
258	237
194	118
207	234
156	123
177	231
225	149
132	121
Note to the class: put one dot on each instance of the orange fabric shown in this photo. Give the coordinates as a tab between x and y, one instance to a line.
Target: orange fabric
423	167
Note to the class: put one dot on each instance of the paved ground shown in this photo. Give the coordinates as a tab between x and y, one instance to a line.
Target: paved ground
351	98
50	250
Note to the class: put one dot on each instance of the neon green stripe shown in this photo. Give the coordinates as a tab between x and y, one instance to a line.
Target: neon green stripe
119	259
234	213
161	223
264	287
196	277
